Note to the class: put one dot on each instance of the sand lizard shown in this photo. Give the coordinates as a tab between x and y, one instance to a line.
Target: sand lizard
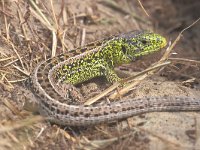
53	81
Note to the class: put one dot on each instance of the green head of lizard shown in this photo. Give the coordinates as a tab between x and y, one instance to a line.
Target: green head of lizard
127	47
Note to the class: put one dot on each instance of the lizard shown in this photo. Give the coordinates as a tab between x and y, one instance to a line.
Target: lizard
53	81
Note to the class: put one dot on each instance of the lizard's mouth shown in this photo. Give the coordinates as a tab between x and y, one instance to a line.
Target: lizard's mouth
163	42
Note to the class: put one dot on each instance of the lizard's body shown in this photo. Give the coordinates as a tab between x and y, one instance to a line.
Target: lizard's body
54	78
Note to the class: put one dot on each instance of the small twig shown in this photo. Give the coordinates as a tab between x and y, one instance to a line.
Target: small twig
22	24
138	78
143	8
54	15
20	60
12	107
166	55
67	135
8	58
38	13
115	85
7	13
83	37
184	60
62	39
18	80
6	23
54	45
23	71
156	66
105	92
19	124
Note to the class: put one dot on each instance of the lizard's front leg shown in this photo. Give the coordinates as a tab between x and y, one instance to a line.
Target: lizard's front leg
110	74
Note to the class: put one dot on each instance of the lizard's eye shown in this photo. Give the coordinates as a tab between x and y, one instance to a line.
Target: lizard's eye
144	42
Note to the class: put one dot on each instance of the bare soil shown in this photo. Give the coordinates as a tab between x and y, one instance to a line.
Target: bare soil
29	34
